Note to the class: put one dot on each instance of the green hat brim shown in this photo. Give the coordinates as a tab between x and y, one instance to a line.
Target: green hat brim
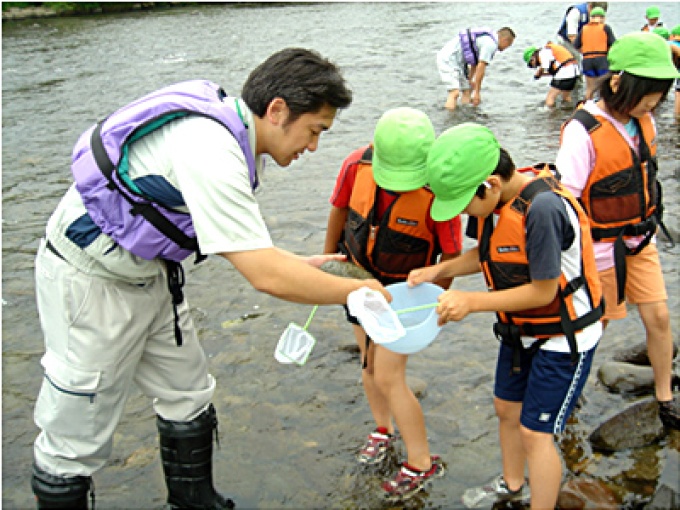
444	210
397	179
658	73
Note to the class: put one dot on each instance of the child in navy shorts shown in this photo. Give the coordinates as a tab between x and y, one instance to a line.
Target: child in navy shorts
535	250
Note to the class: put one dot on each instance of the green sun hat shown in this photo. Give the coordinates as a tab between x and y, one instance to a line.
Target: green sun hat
528	53
401	142
598	11
663	32
643	54
653	12
460	160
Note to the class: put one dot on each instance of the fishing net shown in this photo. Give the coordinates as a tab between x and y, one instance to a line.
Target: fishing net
376	316
296	343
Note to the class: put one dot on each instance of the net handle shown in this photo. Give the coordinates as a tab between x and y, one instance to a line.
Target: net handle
311	316
416	308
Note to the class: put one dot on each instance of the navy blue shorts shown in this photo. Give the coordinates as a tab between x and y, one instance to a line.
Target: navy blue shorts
595	67
548	386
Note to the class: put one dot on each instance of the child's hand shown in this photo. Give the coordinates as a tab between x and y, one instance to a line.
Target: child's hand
453	306
423	274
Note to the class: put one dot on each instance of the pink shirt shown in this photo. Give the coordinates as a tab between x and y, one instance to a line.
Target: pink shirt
575	161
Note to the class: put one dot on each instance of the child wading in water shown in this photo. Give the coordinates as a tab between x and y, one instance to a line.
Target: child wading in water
535	250
380	218
607	159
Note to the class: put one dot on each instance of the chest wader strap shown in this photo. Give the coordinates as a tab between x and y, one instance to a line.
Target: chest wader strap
175	284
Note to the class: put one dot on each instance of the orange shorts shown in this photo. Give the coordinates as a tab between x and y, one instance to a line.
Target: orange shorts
644	283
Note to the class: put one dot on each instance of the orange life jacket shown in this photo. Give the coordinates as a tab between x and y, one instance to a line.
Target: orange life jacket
562	56
401	240
502	253
622	194
593	40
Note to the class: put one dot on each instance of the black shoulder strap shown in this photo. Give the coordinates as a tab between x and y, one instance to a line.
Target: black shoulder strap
473	47
147	210
587	119
368	154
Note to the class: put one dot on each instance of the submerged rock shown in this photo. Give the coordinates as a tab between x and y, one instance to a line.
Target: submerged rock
621	377
637	425
585	492
637	354
346	270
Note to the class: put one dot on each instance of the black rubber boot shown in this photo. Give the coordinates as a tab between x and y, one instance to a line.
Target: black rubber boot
186	452
59	492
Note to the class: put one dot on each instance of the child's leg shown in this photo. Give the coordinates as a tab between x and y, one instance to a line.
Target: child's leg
512	449
590	87
554	386
656	320
645	287
390	378
376	400
545	468
551	97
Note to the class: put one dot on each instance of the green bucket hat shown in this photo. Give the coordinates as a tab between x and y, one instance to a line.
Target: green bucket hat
663	32
528	53
402	139
598	11
459	161
642	54
653	12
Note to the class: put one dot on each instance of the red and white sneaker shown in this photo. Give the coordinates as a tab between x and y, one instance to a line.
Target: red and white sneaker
375	449
410	481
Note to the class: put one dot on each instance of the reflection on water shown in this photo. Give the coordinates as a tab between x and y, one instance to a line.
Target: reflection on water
293	430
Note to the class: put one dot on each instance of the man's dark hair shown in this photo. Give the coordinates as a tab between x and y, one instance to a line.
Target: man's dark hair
631	91
302	78
507	32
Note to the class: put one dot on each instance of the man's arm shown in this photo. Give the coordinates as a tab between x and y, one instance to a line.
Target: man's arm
476	83
287	276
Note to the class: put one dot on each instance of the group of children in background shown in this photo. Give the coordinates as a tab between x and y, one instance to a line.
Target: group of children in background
583	41
560	247
583	50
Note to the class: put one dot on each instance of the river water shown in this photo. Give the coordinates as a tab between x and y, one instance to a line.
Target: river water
289	434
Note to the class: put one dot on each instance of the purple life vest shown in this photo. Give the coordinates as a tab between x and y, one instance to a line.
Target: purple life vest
468	40
99	165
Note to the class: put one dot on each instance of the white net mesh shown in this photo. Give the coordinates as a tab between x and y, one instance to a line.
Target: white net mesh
376	316
295	345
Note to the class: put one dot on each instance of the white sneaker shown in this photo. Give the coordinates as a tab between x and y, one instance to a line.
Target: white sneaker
493	491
